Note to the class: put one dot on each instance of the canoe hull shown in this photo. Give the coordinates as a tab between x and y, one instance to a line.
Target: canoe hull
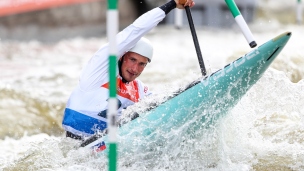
196	108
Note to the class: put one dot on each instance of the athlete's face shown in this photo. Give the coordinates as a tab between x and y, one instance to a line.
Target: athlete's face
132	65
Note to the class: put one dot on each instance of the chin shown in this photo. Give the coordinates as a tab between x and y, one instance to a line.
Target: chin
129	80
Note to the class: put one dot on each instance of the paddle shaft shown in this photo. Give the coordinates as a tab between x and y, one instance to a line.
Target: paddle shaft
195	41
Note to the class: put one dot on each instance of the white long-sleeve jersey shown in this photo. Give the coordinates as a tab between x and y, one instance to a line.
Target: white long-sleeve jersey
86	108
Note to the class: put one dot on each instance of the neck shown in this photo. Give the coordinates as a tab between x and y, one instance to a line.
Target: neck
124	80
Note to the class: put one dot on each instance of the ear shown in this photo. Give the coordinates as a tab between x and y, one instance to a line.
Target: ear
120	61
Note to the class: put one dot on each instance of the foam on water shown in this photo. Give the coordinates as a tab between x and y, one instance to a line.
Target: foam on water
263	132
266	129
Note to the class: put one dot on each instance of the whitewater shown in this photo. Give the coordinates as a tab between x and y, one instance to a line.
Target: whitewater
264	131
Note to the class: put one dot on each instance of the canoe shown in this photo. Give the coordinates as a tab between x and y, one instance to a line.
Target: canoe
196	108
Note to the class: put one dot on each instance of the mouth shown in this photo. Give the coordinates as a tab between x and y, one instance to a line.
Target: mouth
131	73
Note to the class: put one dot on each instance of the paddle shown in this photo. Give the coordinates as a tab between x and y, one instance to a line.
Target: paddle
195	41
97	135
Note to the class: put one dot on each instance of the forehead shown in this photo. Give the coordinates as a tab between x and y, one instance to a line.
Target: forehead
137	56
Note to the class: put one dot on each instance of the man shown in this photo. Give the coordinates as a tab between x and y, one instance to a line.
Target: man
86	108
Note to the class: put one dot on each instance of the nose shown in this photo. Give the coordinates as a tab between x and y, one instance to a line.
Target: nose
134	67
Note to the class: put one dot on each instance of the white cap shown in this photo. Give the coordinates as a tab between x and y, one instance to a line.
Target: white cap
144	48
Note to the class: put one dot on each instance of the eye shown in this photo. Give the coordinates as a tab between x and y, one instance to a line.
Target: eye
142	64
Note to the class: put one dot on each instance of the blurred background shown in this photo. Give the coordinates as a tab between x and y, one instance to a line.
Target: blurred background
52	20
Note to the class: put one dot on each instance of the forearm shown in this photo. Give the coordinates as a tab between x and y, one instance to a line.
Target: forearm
97	67
168	6
129	36
95	72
